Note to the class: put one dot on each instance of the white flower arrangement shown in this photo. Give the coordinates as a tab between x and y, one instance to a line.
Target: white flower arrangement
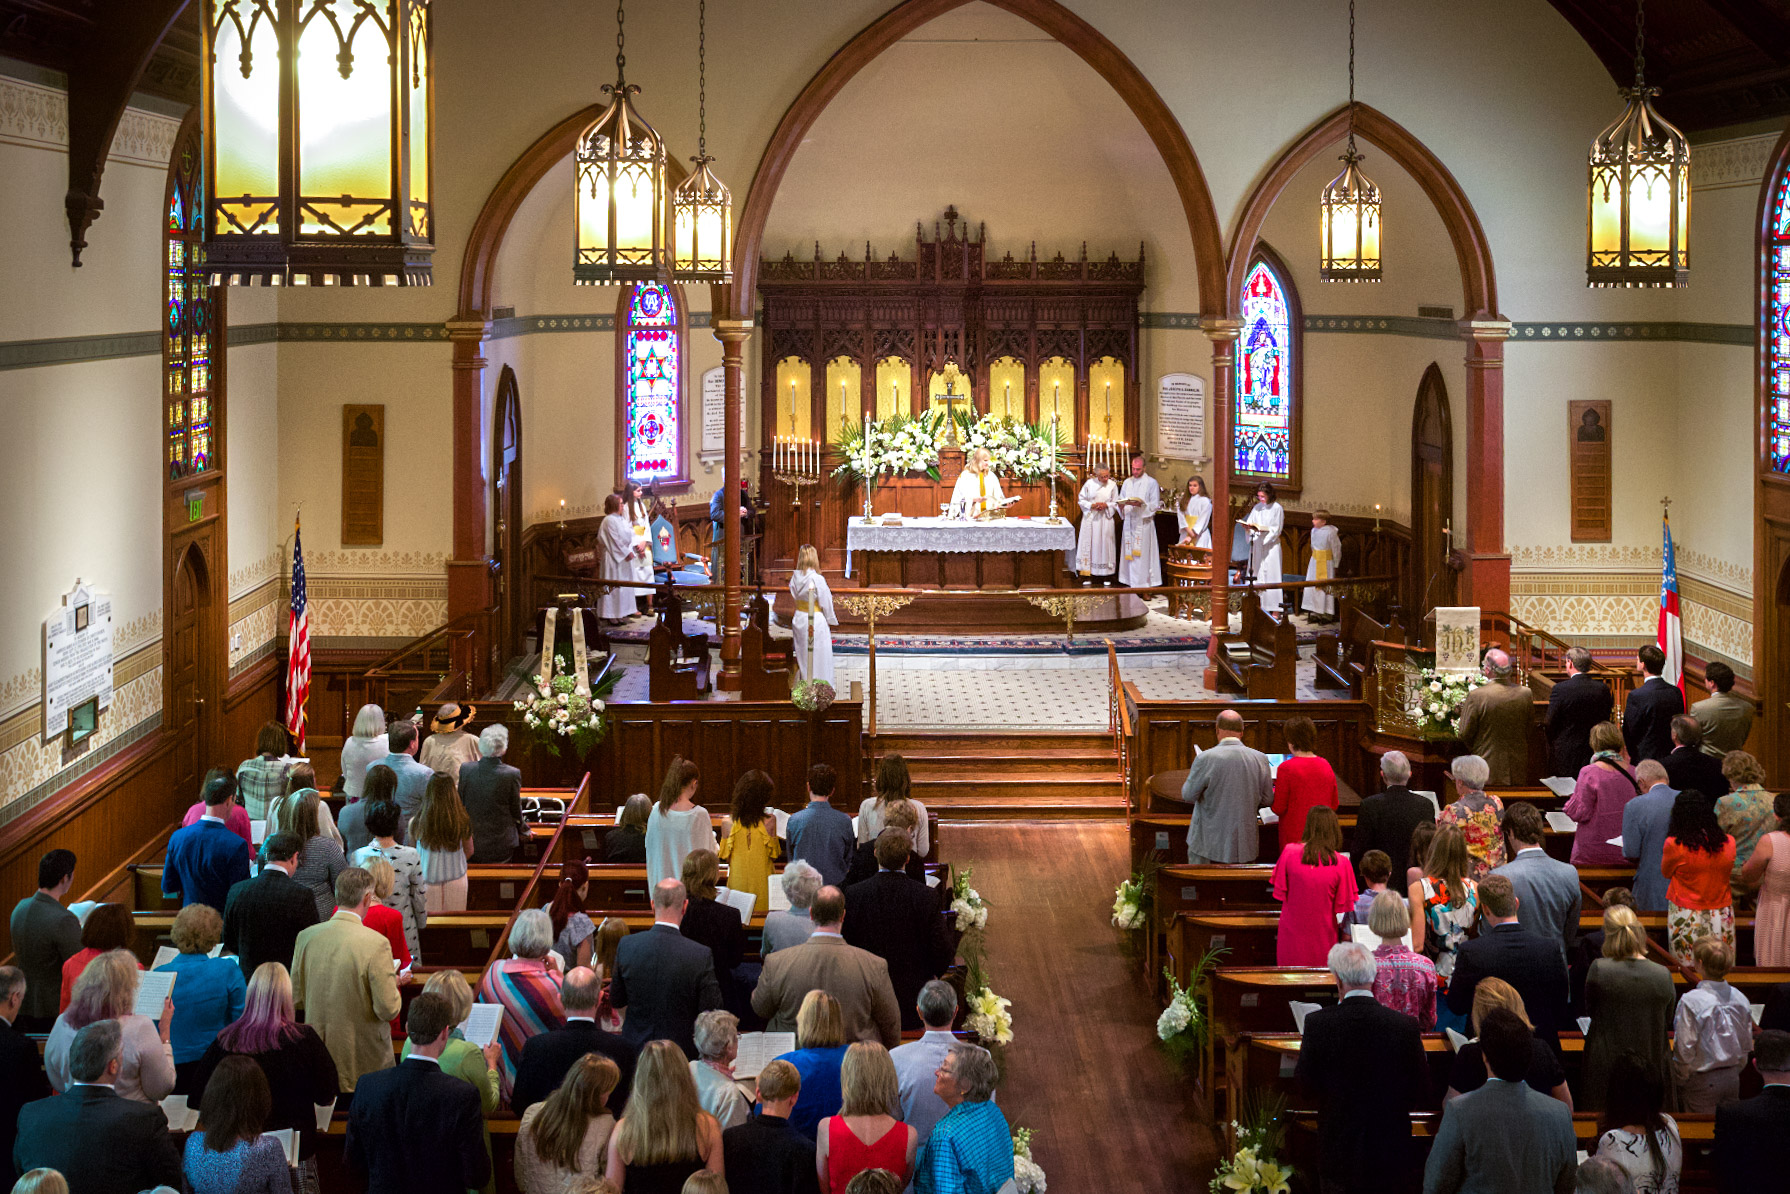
1129	905
1015	449
1434	703
899	444
1180	1014
556	712
989	1018
1251	1170
967	904
1027	1174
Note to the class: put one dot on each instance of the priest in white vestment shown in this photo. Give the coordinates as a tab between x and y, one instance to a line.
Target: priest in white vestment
616	552
1096	545
814	612
1265	522
977	488
1326	554
1194	514
1140	561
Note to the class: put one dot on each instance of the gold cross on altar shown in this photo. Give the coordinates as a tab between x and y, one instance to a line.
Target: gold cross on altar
951	396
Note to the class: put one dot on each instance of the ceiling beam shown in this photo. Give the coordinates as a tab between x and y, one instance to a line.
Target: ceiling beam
1767	32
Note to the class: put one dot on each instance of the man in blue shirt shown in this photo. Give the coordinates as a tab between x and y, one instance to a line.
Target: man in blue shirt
820	834
413	777
1644	822
971	1148
917	1062
718	528
205	859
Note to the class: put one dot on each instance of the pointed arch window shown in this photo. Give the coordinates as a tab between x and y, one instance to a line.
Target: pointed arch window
652	437
1266	406
192	326
1777	326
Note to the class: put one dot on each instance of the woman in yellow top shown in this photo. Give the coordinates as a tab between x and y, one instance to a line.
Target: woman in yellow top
750	847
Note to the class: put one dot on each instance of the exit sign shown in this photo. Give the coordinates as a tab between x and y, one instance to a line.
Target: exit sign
195	505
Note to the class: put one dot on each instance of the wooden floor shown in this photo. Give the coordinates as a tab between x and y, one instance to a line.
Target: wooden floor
1108	1111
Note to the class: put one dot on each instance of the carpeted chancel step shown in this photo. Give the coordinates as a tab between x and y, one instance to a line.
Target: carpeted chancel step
1008	775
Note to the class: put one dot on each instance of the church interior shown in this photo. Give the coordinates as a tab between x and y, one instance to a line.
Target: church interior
334	328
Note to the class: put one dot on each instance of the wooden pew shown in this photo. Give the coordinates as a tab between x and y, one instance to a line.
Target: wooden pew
766	673
677	663
1345	658
1268	670
1182	887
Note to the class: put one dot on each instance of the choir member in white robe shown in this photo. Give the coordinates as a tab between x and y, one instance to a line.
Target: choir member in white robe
977	487
616	553
640	519
1265	522
1326	555
1096	546
814	611
1140	561
1194	514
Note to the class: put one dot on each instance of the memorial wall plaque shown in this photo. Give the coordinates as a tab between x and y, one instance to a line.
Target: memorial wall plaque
363	475
77	656
1181	416
714	414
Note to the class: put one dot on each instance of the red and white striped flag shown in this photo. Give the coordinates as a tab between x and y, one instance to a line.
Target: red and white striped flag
298	649
1671	623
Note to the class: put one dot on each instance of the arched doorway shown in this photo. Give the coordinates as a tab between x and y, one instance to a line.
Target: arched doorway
1432	497
506	504
190	648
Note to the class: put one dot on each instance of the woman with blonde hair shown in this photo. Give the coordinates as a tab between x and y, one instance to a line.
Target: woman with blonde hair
819	1052
300	1071
443	835
865	1134
892	784
977	489
811	626
321	858
41	1181
281	814
709	922
1746	812
609	938
1444	902
664	1135
567	1133
677	824
1468	1071
211	989
1630	1001
367	743
107	990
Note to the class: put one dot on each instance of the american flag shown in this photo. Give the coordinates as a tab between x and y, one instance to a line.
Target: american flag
1671	624
298	649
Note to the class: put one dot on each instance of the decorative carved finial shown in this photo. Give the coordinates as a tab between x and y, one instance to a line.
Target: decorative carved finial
817	250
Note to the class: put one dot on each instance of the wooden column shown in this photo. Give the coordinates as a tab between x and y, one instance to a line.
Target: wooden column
469	573
1223	334
732	333
1488	562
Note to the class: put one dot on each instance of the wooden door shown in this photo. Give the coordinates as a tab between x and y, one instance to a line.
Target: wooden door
187	712
1772	676
506	486
1431	581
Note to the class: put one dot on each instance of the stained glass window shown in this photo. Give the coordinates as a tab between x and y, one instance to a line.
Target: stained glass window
1263	427
190	321
652	384
1777	327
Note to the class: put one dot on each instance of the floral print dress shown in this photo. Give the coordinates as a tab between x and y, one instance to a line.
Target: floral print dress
1485	842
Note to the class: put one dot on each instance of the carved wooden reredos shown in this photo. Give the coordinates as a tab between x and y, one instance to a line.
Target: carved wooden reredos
1065	321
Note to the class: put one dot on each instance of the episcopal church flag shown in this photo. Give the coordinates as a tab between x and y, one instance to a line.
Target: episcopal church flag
298	650
1671	625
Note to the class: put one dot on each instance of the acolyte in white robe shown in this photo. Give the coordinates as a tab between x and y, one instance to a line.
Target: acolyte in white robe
973	488
1140	560
814	607
615	550
1096	549
1266	523
1195	514
1326	555
640	522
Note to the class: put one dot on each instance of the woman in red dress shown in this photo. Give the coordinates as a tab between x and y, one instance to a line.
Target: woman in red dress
864	1135
1314	882
1301	783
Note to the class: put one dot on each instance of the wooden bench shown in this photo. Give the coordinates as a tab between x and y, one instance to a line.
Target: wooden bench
1345	658
766	674
677	663
1268	671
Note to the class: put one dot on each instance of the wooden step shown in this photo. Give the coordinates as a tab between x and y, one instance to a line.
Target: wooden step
917	744
1059	761
1026	806
1028	785
1008	775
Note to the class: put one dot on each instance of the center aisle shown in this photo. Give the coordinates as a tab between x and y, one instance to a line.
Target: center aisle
1107	1109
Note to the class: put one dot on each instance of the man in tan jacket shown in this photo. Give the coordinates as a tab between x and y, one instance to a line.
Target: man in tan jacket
1496	719
343	981
855	977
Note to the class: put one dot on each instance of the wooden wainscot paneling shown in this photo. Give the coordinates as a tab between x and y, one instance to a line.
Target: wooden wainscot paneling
251	700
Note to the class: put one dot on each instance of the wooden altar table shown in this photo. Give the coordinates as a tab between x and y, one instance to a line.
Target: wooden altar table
1001	553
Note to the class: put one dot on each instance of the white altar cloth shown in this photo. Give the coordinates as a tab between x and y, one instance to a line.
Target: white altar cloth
957	535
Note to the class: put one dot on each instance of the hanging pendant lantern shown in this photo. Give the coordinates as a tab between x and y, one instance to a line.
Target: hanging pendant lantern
701	207
620	202
318	141
1349	208
1638	202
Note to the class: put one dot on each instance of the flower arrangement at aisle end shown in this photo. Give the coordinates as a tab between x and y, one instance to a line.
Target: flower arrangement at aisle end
901	443
1027	1174
812	696
1182	1025
987	1015
1015	448
967	904
558	714
1252	1168
1434	702
1135	898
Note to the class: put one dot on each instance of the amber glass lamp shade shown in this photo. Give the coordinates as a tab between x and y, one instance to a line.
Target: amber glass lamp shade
1638	203
1349	225
620	203
318	141
702	227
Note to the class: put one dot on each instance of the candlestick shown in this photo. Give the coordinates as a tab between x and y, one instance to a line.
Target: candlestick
1056	399
562	514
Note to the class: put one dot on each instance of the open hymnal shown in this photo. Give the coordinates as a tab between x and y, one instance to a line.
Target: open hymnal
1585	1025
1559	822
1559	785
1366	936
1435	805
481	1023
163	956
740	901
257	832
1267	816
82	908
325	1110
1455	1040
288	1143
1300	1011
783	823
181	1118
152	992
779	902
759	1049
932	878
1758	1010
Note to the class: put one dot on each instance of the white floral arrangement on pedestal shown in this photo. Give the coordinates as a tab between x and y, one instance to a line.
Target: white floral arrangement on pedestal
967	904
1434	703
989	1018
1252	1168
1015	448
901	443
1027	1174
557	713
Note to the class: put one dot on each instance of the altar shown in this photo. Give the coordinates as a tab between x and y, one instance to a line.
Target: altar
950	553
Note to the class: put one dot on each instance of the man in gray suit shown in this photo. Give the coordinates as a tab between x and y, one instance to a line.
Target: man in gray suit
1726	719
667	978
44	936
1225	786
855	977
1644	822
1503	1138
1548	892
413	777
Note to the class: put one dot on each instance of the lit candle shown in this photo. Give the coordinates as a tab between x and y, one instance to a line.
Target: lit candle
1007	401
1056	397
